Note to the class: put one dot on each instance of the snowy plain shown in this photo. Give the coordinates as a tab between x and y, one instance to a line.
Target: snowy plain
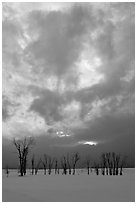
68	188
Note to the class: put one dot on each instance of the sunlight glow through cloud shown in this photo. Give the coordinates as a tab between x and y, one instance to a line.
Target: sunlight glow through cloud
92	143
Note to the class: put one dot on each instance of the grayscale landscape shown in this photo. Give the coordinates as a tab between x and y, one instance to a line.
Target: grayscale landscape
68	102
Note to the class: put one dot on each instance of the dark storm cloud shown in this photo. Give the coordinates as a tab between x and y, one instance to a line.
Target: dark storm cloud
47	105
60	37
108	128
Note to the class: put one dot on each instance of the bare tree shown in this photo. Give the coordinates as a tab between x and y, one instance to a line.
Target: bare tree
75	159
117	163
50	164
88	163
64	165
104	164
45	162
23	148
32	164
58	170
112	162
69	164
56	166
37	166
109	161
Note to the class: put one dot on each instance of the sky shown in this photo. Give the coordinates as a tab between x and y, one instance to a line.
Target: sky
68	75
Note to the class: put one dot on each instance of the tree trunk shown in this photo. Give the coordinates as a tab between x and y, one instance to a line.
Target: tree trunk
73	170
88	170
45	170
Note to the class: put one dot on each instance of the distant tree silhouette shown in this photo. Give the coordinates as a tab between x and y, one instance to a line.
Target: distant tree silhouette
45	163
50	164
110	163
117	163
88	163
32	164
69	164
58	170
56	166
23	148
64	165
104	164
113	163
75	159
37	166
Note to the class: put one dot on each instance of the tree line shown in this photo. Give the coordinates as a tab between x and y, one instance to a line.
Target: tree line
110	163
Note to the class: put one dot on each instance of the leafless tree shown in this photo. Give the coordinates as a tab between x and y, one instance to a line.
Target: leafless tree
112	162
32	164
109	162
37	166
75	159
64	165
23	148
104	164
69	164
88	163
58	170
50	164
117	163
56	166
45	163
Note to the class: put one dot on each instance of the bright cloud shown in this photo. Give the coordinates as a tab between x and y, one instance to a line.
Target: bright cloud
88	143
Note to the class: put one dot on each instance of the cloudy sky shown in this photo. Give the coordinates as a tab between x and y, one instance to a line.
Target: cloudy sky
69	73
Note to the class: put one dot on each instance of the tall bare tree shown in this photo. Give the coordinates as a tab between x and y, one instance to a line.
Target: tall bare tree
69	164
113	162
45	163
117	163
32	164
64	165
104	164
88	163
75	159
56	166
109	161
50	164
37	166
23	147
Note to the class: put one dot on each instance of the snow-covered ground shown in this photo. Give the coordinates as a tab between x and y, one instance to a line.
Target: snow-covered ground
68	188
